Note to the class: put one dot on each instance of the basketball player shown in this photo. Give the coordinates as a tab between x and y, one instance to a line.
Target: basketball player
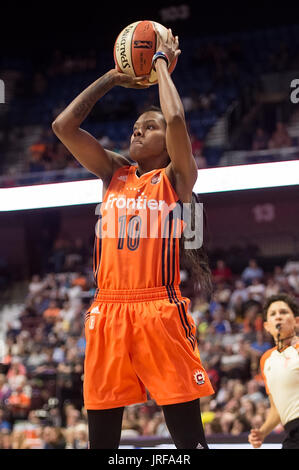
139	334
280	369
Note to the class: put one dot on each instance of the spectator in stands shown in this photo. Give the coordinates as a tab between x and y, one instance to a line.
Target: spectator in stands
272	287
280	137
252	319
222	292
261	344
5	440
220	324
290	265
240	425
81	436
238	296
200	159
233	362
196	143
16	373
260	139
53	438
293	279
252	271
62	157
36	285
279	275
52	313
222	272
254	394
256	290
18	403
58	255
248	407
35	163
76	255
5	425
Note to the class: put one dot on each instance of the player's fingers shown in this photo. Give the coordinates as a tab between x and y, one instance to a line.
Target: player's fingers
257	444
170	34
139	79
138	82
159	37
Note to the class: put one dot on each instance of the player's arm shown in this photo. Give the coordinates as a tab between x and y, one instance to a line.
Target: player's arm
178	143
257	436
85	148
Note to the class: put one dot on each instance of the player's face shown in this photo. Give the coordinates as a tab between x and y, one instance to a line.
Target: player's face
149	137
279	313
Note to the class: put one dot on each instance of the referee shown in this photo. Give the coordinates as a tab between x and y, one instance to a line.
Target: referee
280	370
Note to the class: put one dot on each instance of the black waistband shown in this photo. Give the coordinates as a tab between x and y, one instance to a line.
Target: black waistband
292	425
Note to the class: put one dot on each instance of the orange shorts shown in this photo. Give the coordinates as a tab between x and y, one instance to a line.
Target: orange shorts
138	340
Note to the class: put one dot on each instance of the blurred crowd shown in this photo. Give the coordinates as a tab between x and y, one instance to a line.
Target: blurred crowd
48	154
279	138
42	368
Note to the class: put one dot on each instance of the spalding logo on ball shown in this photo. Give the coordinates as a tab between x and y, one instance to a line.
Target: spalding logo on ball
134	49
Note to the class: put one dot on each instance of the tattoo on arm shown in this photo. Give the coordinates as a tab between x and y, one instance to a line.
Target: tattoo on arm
82	109
90	96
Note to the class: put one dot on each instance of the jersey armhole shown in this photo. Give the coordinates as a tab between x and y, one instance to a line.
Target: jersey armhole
113	177
171	185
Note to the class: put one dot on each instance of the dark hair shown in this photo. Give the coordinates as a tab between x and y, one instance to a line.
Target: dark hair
288	299
196	260
154	108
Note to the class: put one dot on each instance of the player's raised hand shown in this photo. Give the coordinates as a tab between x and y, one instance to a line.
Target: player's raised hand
127	81
170	46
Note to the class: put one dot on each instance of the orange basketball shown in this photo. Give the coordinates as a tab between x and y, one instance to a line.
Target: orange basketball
134	49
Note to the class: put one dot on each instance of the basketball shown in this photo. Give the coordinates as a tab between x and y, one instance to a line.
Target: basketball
134	49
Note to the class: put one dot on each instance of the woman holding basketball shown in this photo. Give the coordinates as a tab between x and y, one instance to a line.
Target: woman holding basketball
139	334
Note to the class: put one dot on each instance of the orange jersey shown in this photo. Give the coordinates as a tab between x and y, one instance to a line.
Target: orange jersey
138	232
139	334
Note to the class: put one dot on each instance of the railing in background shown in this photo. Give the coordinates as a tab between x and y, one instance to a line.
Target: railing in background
45	177
229	158
245	157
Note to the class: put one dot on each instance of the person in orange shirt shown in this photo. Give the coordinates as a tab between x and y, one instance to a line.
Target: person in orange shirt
19	402
139	334
52	312
81	281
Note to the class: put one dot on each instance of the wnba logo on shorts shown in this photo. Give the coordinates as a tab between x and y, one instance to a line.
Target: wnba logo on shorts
199	377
